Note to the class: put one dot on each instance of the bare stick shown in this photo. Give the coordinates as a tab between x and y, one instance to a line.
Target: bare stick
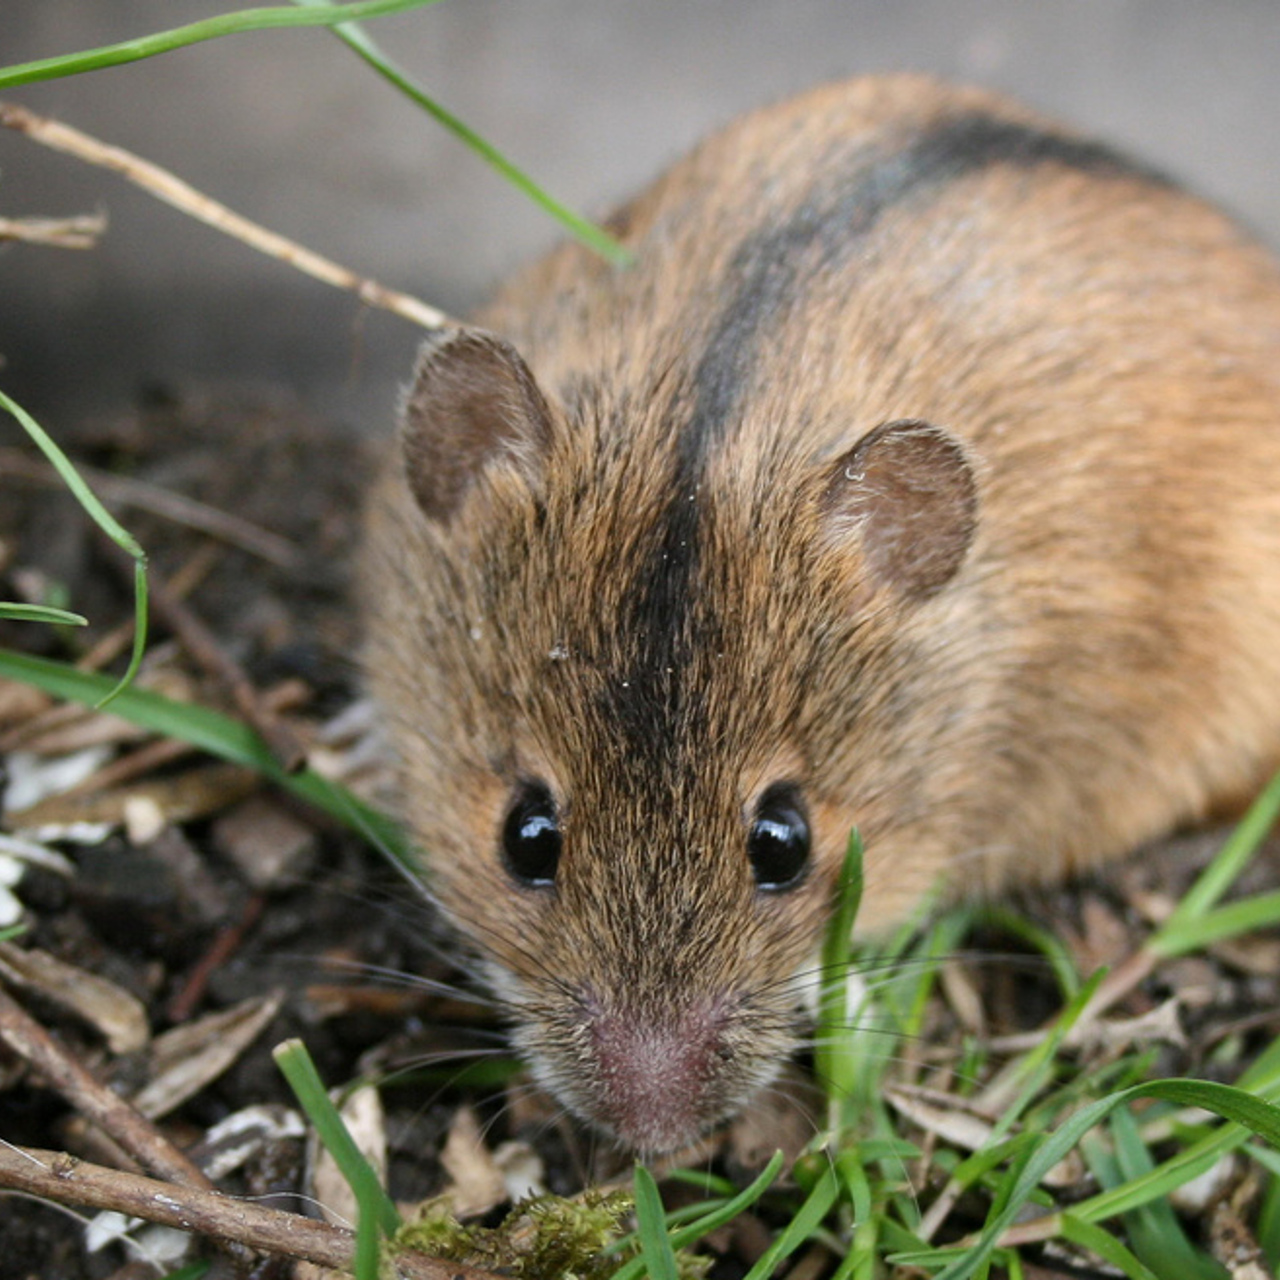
144	496
25	1037
200	642
56	1176
172	190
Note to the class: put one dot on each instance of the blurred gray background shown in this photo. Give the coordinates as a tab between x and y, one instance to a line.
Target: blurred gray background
592	96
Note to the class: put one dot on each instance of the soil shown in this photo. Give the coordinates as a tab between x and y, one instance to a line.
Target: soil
203	889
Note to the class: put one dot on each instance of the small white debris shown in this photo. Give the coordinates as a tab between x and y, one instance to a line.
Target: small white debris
523	1172
37	855
10	908
33	778
1204	1189
144	820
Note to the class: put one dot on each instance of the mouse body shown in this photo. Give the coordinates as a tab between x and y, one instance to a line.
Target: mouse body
921	473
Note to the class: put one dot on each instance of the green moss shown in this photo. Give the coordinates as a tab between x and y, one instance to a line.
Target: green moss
543	1238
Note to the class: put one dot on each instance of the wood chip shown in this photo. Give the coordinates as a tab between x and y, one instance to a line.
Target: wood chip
1231	1241
522	1170
477	1183
19	702
240	1137
1194	1197
187	1058
118	1016
266	842
197	793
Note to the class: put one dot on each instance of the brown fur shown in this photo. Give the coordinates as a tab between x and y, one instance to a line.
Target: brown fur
1030	626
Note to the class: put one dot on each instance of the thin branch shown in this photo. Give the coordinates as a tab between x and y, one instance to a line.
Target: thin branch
212	656
126	491
56	1176
172	190
24	1036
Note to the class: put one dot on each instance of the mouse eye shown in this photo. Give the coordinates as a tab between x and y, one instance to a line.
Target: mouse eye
778	844
531	837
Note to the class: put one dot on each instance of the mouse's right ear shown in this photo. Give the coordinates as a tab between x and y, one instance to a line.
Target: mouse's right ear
473	400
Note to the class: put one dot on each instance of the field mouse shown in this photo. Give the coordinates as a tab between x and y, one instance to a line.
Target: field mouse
922	472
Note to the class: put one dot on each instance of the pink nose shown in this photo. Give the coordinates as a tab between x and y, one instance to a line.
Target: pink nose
657	1082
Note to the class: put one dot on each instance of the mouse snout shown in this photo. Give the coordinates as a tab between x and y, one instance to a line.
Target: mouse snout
660	1079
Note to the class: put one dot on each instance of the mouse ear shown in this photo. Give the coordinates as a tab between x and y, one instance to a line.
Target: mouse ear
473	399
906	493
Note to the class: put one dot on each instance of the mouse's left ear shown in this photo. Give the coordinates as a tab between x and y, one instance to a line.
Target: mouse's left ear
473	401
905	495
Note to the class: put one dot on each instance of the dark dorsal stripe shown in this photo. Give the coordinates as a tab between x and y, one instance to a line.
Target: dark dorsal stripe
769	269
775	264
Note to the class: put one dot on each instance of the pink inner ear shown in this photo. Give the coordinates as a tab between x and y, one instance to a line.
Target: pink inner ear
906	494
473	399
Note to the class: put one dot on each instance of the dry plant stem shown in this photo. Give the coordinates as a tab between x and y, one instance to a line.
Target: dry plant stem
172	190
122	491
200	642
229	938
31	1042
57	1176
145	760
1131	971
82	232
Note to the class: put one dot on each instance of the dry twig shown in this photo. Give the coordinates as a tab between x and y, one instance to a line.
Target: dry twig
54	1175
137	1135
201	643
188	512
172	190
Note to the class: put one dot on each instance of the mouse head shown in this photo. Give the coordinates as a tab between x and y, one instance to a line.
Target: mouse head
622	673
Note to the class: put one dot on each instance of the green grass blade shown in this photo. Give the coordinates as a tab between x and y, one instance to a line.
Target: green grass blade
590	234
220	736
140	614
192	1271
655	1245
1268	1225
41	613
1222	872
1230	1103
1090	1236
1037	1066
809	1218
835	1065
1153	1229
227	24
860	1262
1262	911
107	523
692	1232
745	1198
297	1068
1043	940
857	1186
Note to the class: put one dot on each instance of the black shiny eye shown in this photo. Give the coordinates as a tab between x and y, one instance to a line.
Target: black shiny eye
778	844
531	837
